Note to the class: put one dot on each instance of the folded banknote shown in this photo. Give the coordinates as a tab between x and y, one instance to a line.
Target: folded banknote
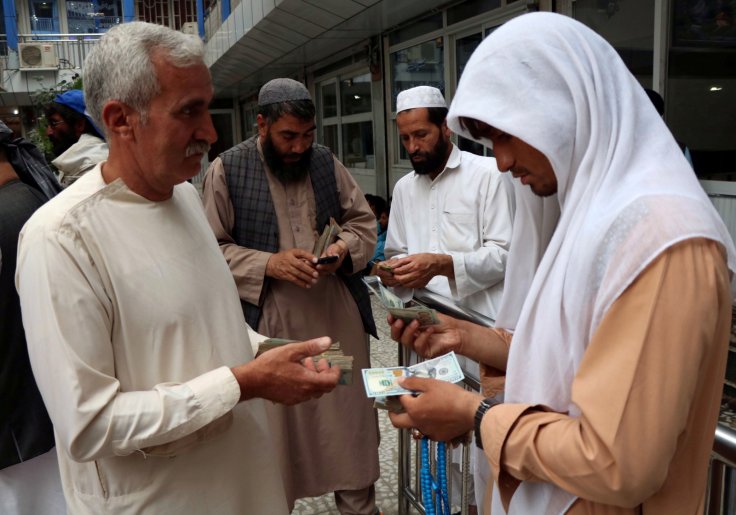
398	309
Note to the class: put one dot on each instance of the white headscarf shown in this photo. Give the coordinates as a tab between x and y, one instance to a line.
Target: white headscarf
625	191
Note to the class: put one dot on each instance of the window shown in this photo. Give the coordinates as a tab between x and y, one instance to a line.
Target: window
346	113
44	16
701	86
93	17
628	27
464	48
418	65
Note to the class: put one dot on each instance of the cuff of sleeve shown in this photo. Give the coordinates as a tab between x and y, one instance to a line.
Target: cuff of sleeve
495	428
250	285
457	284
217	390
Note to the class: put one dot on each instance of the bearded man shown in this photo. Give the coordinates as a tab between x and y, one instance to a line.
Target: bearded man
450	223
77	143
267	200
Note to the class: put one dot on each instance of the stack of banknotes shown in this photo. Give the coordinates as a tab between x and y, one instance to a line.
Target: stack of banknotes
327	238
397	307
333	355
382	383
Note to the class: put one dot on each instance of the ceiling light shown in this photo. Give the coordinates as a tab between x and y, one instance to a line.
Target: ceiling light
716	88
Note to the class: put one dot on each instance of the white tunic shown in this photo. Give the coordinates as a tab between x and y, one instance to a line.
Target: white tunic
133	320
466	212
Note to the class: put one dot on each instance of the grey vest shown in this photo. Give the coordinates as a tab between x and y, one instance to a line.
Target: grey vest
255	217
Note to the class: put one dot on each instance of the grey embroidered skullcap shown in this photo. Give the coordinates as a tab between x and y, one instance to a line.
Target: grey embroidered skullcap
420	96
282	90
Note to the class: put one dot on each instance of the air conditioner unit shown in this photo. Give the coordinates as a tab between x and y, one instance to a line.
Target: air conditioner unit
37	55
190	28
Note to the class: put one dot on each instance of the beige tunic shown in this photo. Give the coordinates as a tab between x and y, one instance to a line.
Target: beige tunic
649	390
331	443
133	322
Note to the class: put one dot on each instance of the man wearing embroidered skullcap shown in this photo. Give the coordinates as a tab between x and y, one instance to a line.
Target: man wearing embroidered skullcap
450	224
134	326
268	199
620	330
76	142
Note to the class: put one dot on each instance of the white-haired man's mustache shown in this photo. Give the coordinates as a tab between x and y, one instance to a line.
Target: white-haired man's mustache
197	147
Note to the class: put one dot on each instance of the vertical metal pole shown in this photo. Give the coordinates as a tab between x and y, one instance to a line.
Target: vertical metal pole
466	480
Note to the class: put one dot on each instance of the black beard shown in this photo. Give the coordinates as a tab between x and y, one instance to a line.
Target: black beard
434	161
285	172
62	143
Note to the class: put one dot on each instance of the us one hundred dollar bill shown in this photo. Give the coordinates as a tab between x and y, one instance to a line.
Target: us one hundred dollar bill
383	382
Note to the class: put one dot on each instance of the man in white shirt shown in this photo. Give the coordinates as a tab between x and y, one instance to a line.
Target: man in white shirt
450	224
133	321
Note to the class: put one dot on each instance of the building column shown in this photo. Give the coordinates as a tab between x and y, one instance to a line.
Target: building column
11	24
225	6
200	18
128	11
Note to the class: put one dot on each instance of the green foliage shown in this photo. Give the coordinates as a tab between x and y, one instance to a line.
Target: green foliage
40	99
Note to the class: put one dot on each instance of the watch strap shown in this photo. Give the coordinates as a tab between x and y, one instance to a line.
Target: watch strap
483	407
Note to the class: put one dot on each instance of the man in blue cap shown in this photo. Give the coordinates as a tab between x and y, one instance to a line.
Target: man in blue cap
77	143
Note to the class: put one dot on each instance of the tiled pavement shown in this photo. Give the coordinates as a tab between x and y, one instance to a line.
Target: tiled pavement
384	353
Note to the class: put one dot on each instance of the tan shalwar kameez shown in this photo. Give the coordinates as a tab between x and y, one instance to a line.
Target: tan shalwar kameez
648	389
331	443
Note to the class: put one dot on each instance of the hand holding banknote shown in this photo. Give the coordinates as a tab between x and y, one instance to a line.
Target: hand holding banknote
285	375
416	270
440	410
396	307
431	340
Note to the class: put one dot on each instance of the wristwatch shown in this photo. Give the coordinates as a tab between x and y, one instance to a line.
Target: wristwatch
483	407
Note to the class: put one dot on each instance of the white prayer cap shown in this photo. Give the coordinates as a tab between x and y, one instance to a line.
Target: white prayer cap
420	96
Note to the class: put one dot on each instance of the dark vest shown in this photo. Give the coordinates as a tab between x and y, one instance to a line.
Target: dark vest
255	217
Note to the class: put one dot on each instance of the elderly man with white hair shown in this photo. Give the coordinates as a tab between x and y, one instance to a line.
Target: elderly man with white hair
620	329
134	327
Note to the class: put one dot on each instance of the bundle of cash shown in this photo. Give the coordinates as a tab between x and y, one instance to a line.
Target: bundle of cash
382	383
396	306
390	403
333	355
327	238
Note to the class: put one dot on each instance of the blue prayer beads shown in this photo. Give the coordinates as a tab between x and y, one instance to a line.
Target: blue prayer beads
428	484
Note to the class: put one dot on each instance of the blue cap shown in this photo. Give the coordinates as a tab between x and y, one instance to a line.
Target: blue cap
74	100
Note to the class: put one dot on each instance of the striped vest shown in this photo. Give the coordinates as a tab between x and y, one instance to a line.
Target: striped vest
256	226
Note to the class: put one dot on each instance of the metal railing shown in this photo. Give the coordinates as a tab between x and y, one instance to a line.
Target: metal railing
720	495
409	463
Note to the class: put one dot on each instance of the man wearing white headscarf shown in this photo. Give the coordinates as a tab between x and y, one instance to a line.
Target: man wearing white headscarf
615	367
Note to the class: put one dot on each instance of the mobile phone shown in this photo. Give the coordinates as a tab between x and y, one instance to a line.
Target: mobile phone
326	260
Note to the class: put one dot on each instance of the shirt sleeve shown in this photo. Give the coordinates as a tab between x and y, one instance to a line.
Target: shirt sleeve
68	328
396	245
358	222
613	453
248	266
486	266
